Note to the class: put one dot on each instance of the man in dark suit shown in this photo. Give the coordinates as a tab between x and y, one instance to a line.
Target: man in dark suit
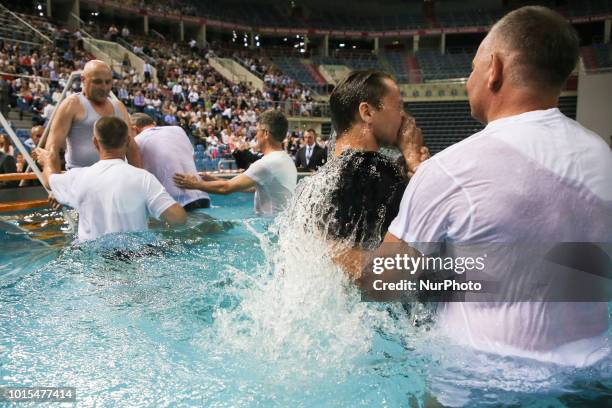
311	156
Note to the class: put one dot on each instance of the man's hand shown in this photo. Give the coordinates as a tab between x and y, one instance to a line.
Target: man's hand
207	177
42	156
425	154
189	181
410	143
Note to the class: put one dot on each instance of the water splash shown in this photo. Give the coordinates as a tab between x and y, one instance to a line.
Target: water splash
304	309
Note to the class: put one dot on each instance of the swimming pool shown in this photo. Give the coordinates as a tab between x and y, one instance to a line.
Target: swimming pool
206	319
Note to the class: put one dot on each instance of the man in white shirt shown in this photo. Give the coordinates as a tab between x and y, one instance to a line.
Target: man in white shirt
111	195
177	92
147	70
531	176
273	177
166	150
47	110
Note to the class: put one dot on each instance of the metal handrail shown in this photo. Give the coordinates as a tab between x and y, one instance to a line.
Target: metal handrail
32	164
225	161
24	76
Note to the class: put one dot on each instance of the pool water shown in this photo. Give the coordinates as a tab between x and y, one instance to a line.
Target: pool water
204	317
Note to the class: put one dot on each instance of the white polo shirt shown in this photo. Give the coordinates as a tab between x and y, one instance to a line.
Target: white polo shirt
110	196
166	150
275	177
534	177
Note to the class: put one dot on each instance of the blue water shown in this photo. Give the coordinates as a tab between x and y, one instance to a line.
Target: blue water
201	318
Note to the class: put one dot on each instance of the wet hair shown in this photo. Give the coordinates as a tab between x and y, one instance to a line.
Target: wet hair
547	44
276	123
357	87
365	199
141	120
111	132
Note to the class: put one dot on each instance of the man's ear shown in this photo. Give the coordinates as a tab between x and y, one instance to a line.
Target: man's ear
496	73
365	112
96	143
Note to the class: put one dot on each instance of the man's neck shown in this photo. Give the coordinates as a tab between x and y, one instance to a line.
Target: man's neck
518	102
359	137
267	149
112	154
146	127
96	103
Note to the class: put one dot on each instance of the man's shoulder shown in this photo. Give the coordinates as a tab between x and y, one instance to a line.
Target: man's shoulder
174	129
465	146
72	101
133	173
272	159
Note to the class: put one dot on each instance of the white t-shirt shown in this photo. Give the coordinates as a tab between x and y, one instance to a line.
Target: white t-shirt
166	150
535	177
110	196
275	177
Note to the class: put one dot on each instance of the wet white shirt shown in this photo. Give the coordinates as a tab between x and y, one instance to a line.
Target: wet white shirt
110	196
166	150
534	177
275	177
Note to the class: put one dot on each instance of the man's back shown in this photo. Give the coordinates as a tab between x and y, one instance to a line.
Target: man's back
166	151
537	177
275	176
111	196
525	171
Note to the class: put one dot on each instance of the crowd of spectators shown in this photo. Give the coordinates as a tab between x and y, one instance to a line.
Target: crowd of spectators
168	7
33	78
219	116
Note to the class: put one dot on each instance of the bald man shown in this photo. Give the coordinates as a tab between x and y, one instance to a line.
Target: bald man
73	123
36	134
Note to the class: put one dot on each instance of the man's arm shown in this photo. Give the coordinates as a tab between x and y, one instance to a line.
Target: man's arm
133	152
62	122
174	215
216	186
46	159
